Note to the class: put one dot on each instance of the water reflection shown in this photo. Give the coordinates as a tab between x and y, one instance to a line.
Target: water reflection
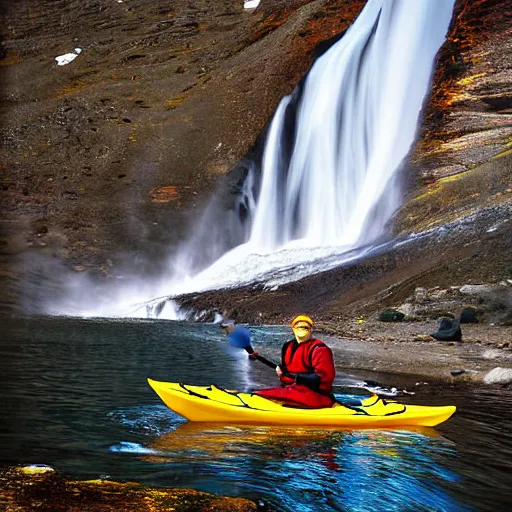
307	469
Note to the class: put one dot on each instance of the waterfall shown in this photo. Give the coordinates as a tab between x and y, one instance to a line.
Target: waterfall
329	183
355	124
334	187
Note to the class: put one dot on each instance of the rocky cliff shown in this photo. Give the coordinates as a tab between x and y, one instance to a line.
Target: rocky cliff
105	159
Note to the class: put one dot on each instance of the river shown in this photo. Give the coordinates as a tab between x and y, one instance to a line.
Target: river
74	396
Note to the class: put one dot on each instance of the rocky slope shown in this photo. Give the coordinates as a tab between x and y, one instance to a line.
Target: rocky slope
104	159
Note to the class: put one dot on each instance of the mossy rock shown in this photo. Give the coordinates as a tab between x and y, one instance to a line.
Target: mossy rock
391	315
413	318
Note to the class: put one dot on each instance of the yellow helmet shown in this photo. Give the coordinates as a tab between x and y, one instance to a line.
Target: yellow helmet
302	318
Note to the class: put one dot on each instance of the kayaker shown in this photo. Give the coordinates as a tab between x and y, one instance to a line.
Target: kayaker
306	369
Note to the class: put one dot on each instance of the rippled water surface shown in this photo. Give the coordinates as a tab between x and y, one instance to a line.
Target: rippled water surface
74	396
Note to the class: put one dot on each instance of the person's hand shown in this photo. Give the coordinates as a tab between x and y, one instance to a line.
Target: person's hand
279	371
253	356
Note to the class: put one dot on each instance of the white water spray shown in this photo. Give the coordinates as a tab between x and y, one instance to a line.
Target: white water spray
330	198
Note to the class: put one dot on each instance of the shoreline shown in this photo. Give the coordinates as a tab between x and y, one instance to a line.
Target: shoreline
406	349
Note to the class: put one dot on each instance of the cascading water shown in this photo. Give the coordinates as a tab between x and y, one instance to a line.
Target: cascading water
326	195
355	124
335	191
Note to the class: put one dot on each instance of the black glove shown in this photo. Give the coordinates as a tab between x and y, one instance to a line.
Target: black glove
311	380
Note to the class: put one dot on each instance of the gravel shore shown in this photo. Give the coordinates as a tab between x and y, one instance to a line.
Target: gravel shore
406	348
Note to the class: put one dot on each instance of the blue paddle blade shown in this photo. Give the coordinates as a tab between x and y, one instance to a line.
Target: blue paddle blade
240	337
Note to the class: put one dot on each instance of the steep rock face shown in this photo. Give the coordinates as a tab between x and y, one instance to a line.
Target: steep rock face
467	122
468	119
460	168
161	101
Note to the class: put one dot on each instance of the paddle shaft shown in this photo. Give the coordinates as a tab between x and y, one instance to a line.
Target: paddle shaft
264	360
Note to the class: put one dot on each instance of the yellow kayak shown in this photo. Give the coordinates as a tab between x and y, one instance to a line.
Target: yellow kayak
214	404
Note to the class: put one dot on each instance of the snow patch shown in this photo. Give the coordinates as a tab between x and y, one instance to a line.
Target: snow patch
62	60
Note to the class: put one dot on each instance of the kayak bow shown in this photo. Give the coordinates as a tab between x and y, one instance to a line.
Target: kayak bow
214	404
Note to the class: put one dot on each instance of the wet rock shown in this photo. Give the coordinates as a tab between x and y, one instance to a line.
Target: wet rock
36	469
41	488
499	376
456	373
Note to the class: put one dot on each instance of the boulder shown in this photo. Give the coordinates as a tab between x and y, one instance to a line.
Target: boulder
476	289
499	376
492	354
407	309
420	295
469	316
448	330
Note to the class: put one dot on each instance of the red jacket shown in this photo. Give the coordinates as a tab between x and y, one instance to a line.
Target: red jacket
312	364
308	357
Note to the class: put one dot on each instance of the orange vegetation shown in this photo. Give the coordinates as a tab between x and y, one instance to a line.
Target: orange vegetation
333	19
9	59
166	194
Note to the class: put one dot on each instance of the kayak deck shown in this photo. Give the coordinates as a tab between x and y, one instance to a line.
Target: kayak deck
214	404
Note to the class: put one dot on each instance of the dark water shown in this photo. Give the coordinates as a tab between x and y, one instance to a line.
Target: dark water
74	396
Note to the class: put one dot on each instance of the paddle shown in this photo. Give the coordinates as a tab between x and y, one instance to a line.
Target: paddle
240	337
